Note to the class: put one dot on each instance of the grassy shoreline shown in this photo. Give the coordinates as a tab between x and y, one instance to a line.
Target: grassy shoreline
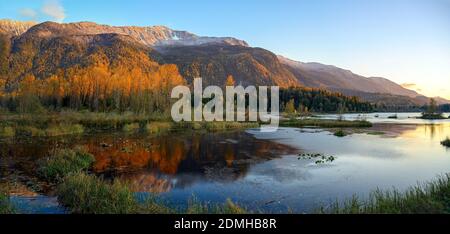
325	123
68	171
77	123
431	197
87	194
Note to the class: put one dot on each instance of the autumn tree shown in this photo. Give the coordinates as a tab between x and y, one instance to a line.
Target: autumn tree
230	81
290	107
28	99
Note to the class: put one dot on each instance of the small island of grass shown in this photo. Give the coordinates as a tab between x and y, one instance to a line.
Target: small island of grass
340	133
432	111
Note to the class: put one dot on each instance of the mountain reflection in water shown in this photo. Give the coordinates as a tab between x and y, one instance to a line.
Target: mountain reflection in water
156	163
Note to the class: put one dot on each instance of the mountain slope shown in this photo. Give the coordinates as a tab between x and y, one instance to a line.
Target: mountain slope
248	66
150	36
51	49
14	28
48	48
373	89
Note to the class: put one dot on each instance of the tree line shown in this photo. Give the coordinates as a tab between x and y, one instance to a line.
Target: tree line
315	100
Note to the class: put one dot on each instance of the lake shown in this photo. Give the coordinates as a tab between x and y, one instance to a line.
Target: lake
261	171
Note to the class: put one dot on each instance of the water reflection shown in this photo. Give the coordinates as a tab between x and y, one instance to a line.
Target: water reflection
431	131
251	167
153	163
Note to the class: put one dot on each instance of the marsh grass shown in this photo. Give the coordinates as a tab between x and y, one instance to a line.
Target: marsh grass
229	207
159	127
325	123
88	194
5	205
63	162
446	142
64	129
432	197
7	131
72	122
59	129
131	127
220	126
340	133
376	133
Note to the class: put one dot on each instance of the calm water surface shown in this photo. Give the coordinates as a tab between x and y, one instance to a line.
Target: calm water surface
258	170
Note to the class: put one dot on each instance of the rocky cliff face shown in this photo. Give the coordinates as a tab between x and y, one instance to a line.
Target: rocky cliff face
150	36
14	28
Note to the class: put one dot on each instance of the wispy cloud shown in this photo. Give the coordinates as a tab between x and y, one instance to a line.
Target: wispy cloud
411	86
28	13
54	9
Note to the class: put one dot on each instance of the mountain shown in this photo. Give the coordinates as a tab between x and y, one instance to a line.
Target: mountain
15	28
150	36
374	89
248	66
54	51
49	48
213	58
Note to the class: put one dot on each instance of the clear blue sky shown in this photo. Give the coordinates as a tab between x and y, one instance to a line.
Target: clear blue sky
407	41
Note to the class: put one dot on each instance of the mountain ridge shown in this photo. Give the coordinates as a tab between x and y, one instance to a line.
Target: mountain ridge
215	58
330	77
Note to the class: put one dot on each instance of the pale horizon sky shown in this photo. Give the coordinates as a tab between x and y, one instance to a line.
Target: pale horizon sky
406	41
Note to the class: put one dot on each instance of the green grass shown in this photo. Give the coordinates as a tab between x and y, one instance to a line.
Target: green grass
5	206
325	123
88	194
63	162
446	142
432	197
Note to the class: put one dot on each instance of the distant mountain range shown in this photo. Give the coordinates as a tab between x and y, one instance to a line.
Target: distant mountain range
46	48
